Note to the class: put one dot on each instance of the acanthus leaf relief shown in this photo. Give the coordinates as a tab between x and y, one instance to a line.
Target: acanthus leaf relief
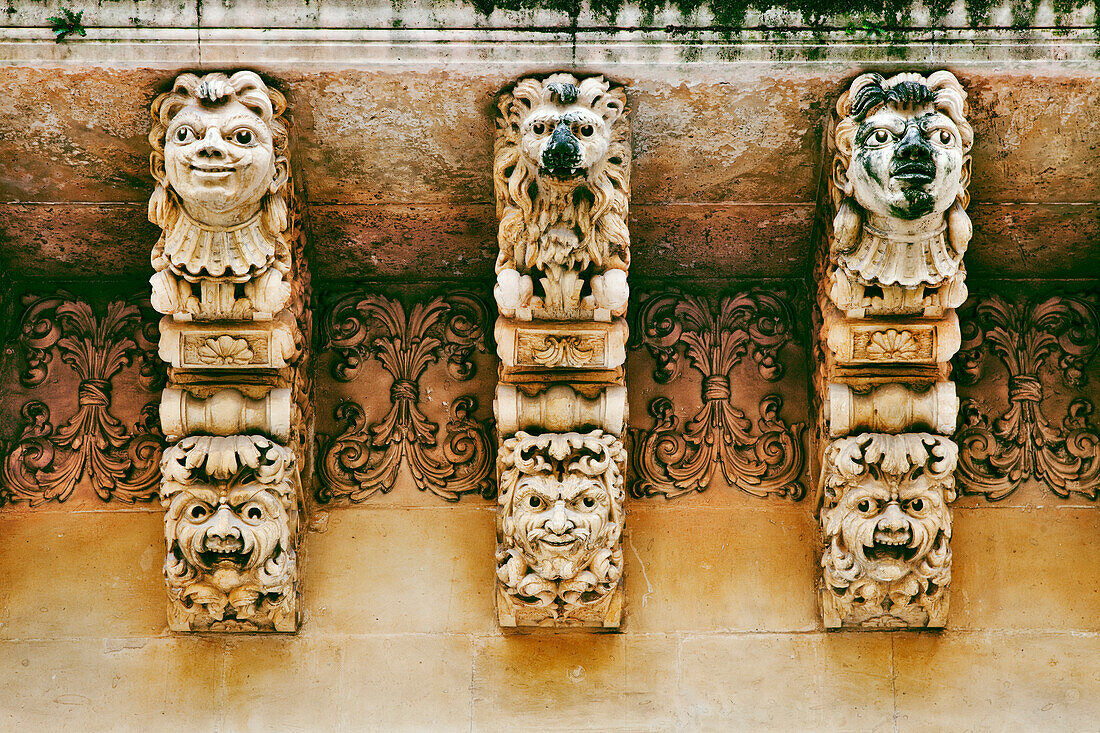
48	462
670	462
997	455
364	458
886	528
559	555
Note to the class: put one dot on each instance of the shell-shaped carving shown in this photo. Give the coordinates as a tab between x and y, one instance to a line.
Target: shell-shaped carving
225	350
892	345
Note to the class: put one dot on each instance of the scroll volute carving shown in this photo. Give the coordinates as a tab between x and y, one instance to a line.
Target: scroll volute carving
559	556
886	527
899	186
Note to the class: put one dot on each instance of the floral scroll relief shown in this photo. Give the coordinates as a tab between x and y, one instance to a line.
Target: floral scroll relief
671	462
364	458
48	462
996	456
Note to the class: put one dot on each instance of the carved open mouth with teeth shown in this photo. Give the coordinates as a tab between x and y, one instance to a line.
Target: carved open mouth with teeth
895	545
564	173
915	172
213	168
230	551
557	541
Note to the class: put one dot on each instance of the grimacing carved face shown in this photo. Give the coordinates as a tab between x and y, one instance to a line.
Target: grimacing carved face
237	529
906	163
559	525
564	141
888	527
221	161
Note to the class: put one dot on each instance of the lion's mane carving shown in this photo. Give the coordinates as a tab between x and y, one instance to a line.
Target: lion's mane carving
886	528
562	180
230	526
559	557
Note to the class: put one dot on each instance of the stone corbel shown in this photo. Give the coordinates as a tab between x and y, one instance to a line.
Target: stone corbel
562	181
230	280
891	276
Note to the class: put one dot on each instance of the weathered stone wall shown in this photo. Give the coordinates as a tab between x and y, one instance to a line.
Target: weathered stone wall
393	147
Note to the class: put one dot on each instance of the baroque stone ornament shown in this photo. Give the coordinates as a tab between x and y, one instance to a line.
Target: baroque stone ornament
364	459
562	180
886	526
47	462
670	462
559	558
230	527
232	281
899	184
997	456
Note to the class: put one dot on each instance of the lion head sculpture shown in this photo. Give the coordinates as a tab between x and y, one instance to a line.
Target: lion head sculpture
220	161
899	183
561	512
562	180
230	528
887	529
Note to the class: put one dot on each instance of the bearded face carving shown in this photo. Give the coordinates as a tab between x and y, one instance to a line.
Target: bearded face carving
562	184
230	527
901	172
219	158
887	529
559	559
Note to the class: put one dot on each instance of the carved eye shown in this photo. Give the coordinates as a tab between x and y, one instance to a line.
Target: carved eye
587	131
588	502
881	137
864	505
185	134
243	137
917	505
198	511
534	502
944	137
538	128
254	512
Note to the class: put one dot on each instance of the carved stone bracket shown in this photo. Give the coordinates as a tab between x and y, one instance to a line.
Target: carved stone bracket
48	462
364	458
671	462
998	455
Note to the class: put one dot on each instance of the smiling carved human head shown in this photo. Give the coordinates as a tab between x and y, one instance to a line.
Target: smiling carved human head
219	144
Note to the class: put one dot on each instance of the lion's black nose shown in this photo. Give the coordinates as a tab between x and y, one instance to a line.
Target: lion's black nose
563	150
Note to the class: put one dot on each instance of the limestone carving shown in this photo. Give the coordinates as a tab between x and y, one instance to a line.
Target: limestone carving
891	407
886	525
231	532
559	557
670	461
562	179
219	159
48	462
559	408
365	458
900	182
227	412
996	456
874	342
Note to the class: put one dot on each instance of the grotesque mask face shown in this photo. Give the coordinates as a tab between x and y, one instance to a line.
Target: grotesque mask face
220	160
887	527
560	524
907	163
229	529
